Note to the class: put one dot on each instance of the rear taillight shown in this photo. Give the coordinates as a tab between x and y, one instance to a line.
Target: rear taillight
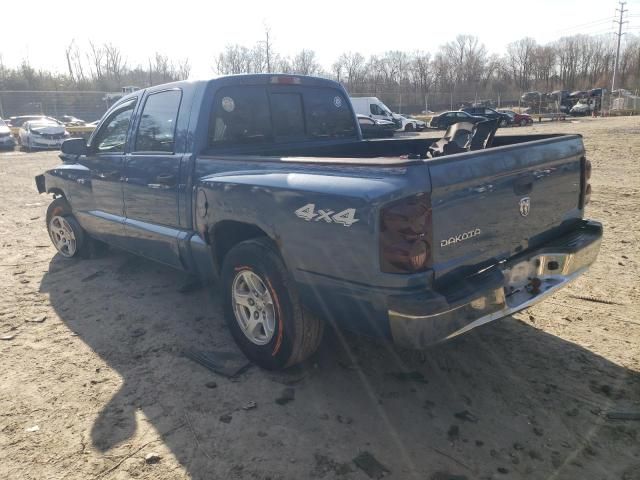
405	235
585	186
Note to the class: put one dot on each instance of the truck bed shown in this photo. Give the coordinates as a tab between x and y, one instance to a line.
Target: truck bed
414	148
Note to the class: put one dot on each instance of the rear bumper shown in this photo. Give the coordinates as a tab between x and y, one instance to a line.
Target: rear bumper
422	319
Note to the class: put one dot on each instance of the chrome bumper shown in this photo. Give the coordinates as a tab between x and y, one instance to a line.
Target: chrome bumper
523	281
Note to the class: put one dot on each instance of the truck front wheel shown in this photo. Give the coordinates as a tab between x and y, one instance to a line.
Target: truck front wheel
262	308
65	232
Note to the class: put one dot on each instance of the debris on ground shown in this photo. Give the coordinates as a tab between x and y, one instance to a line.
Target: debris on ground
466	416
623	415
287	395
11	336
590	298
369	465
152	458
453	433
325	465
250	405
36	319
226	418
229	364
211	384
138	332
344	420
93	276
35	428
446	476
412	376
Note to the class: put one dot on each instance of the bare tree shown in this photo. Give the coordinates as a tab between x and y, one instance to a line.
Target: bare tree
305	63
96	60
114	62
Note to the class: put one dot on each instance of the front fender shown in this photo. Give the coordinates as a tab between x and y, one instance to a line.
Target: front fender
70	180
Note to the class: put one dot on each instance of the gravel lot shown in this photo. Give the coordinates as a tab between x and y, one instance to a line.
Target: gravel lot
94	380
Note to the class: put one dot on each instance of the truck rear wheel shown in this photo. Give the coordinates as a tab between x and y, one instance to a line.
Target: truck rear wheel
262	308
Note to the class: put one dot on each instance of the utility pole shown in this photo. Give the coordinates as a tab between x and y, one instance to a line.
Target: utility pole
619	34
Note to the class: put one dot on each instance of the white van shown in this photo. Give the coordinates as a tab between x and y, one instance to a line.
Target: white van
374	108
371	107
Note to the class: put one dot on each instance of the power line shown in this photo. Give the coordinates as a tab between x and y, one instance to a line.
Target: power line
619	34
588	24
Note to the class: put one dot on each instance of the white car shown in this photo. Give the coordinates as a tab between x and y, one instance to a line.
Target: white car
6	139
409	124
44	133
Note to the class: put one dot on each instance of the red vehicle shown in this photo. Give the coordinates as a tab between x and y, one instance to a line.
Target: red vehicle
520	119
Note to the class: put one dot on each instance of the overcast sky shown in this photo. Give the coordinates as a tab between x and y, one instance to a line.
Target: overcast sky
40	29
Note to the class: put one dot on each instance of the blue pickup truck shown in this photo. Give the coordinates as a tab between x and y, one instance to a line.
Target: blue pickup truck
263	186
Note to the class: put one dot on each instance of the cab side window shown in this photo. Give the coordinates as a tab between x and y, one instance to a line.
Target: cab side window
157	128
112	136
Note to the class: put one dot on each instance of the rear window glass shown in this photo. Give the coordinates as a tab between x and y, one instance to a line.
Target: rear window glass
287	114
257	114
328	114
240	116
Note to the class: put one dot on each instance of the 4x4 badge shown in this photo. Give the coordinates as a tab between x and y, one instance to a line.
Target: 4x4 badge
525	206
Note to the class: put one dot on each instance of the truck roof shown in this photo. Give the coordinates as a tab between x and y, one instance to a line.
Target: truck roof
245	79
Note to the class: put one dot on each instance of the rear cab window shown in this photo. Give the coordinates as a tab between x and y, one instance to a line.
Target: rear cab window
248	115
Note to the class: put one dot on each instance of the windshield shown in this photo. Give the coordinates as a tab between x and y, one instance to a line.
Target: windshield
43	124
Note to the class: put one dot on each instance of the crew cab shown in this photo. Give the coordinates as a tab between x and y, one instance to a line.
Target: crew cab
264	186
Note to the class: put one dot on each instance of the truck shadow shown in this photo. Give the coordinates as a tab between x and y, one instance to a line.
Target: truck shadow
508	398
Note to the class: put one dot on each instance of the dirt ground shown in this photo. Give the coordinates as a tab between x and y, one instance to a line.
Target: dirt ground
94	377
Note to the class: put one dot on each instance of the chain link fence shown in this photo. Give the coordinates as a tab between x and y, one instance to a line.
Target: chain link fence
88	106
530	102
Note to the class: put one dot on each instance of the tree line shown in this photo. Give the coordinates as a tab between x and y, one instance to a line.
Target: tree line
461	69
94	67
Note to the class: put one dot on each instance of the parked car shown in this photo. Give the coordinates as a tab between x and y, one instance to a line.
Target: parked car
71	121
486	112
6	138
41	134
520	119
15	123
585	106
410	124
446	119
372	128
275	195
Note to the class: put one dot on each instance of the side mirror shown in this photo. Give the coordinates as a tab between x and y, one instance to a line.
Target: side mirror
75	146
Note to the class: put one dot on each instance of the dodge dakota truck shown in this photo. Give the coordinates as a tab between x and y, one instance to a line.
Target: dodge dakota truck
262	186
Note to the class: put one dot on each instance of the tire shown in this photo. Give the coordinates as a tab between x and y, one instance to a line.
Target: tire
59	219
523	123
293	333
409	127
503	123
